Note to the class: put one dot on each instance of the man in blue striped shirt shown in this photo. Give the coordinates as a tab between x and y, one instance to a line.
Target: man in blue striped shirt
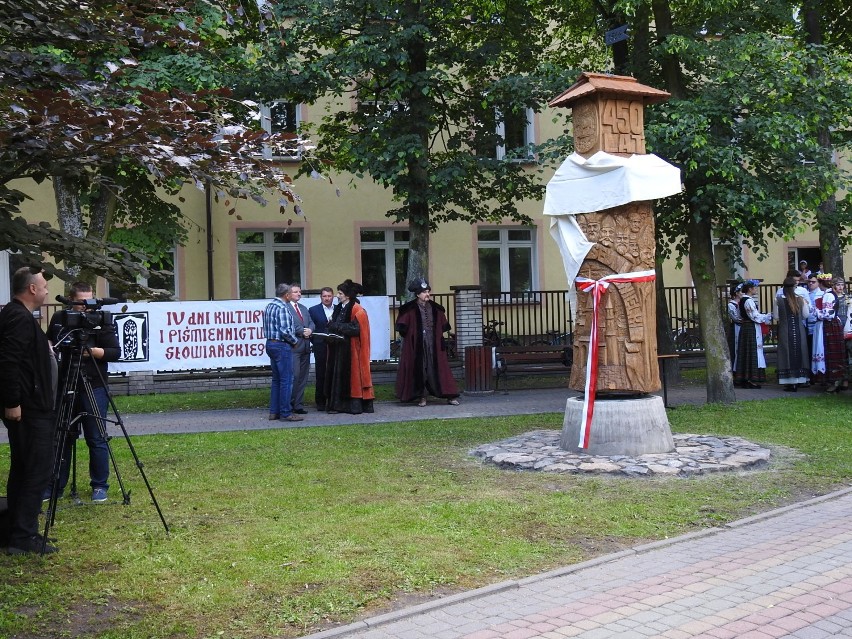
280	338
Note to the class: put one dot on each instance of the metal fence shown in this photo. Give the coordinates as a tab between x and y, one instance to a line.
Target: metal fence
545	316
531	317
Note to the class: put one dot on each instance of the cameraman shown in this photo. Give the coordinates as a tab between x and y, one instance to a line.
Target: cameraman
103	346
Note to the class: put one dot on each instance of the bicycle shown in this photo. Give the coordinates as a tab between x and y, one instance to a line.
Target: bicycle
563	339
686	338
555	338
492	337
450	345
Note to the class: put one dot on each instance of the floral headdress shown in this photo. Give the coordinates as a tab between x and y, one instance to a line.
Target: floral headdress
824	276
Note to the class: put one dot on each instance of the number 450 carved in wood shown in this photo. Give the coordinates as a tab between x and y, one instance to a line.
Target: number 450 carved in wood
623	116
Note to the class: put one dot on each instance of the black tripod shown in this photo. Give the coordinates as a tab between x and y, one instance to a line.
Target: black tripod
74	384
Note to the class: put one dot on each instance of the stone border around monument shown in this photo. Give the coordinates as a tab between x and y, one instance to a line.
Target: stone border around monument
694	455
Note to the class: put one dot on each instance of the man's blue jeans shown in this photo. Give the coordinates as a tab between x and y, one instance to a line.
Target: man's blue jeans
281	358
97	443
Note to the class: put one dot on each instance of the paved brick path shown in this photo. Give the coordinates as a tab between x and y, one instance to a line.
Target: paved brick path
787	573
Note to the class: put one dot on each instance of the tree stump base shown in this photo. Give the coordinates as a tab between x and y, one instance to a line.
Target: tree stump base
631	427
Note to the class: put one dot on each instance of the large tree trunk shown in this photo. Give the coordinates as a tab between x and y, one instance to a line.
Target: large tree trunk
418	246
829	238
418	167
720	381
829	230
101	215
69	213
665	339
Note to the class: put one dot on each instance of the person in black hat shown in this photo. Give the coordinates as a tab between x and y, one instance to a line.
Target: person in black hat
424	368
349	382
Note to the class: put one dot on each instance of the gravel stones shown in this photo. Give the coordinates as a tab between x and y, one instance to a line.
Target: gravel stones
539	450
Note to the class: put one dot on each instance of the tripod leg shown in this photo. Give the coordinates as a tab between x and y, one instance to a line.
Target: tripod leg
64	425
139	465
73	491
102	421
101	456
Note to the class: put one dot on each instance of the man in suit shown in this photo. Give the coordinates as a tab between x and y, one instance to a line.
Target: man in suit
320	315
303	327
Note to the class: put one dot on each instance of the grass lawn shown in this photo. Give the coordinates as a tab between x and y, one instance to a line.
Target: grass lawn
284	532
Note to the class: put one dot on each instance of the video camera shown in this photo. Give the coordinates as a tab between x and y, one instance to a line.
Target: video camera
86	315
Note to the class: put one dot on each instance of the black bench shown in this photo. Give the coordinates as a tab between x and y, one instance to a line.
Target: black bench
532	360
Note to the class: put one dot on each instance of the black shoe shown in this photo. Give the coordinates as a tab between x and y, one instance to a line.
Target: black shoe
300	411
32	546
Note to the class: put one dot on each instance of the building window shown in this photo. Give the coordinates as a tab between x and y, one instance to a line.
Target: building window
517	132
9	263
166	281
508	136
283	118
384	261
507	259
265	259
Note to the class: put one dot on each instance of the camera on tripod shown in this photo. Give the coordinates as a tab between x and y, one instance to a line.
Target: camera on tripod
78	322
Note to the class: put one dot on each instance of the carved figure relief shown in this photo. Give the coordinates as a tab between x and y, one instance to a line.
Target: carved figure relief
627	356
586	134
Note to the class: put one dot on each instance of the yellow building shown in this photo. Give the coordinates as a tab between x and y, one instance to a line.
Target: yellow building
343	233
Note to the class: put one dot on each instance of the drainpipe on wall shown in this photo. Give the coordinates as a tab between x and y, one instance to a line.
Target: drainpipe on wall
208	199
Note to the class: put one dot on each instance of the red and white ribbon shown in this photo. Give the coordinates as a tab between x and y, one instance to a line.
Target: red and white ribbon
597	288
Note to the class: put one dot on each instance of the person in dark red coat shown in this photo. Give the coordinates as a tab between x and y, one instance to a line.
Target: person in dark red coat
424	368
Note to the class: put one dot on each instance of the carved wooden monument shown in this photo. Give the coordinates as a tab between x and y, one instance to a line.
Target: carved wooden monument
615	347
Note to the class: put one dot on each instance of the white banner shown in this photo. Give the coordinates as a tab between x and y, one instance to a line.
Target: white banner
171	336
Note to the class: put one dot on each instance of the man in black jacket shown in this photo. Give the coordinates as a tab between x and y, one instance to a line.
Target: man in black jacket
321	316
27	391
103	347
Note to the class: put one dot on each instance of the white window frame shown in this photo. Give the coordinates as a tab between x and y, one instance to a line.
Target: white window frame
176	292
529	136
269	248
504	244
292	155
5	278
143	281
390	245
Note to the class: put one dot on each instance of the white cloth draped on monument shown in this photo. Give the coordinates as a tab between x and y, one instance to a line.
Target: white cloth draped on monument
603	181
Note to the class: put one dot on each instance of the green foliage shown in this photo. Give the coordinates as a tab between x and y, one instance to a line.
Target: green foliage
144	100
746	139
428	78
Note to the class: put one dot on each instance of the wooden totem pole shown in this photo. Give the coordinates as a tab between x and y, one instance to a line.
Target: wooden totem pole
615	346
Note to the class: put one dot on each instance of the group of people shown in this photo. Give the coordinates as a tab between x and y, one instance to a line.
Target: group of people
29	377
339	337
814	325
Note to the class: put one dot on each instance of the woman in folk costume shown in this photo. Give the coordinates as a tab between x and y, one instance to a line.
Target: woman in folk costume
793	360
751	364
736	321
818	342
424	368
349	383
832	316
